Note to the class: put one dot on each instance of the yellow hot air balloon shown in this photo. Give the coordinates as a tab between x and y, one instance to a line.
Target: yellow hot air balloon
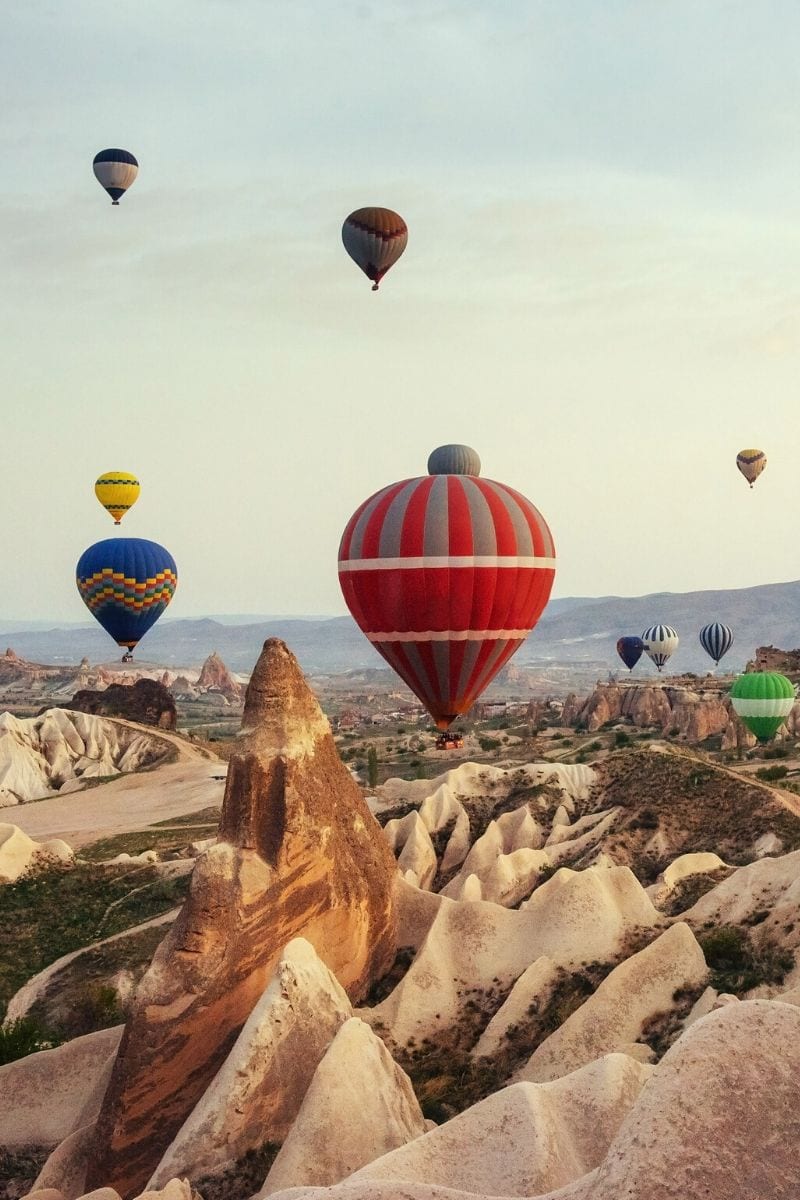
751	463
117	491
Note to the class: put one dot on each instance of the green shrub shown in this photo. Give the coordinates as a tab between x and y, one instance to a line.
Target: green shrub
488	743
372	767
737	966
621	738
770	774
95	1008
21	1037
647	819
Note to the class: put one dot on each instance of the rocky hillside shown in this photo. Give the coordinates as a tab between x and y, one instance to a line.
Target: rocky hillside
146	701
555	981
58	752
692	711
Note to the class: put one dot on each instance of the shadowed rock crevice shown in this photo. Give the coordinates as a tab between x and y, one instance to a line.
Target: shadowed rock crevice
254	810
299	855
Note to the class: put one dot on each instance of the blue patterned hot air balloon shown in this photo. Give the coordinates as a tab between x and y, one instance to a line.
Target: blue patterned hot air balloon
126	583
630	650
716	639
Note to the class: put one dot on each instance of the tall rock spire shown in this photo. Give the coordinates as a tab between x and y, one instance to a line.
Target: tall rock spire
299	854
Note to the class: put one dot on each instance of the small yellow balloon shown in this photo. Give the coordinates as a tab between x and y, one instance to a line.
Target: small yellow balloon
117	491
751	463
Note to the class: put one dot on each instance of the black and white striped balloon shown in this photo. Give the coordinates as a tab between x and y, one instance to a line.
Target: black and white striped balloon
115	170
660	643
716	639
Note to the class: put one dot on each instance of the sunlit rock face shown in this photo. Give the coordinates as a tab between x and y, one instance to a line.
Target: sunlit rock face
299	854
41	756
215	676
694	714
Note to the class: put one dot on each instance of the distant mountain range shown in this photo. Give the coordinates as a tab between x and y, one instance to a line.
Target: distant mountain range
573	630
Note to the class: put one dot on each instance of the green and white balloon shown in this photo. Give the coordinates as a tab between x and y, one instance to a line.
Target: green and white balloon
762	700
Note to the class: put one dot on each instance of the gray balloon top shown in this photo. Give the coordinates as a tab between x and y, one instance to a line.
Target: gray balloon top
454	460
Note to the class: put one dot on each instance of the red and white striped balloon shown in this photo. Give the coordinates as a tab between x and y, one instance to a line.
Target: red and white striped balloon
447	574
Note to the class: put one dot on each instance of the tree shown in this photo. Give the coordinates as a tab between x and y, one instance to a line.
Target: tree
372	767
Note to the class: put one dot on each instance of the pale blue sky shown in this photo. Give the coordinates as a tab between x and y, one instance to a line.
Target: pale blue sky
601	291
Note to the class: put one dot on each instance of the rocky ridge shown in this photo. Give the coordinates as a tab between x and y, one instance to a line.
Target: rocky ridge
145	701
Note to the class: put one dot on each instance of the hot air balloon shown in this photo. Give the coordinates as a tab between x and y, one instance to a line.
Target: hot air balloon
117	491
751	463
660	643
447	574
126	583
762	701
374	238
115	170
630	650
716	639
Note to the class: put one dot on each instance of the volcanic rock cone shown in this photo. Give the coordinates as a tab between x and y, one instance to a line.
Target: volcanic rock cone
299	854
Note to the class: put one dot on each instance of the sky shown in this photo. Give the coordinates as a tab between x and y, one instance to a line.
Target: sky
601	291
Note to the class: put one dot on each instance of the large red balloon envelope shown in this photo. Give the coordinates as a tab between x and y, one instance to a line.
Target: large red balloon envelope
447	574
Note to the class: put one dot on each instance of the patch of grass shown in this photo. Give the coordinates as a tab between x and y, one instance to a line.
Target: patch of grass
737	965
688	891
18	1170
241	1179
446	1079
488	743
699	806
22	1037
386	985
647	866
54	912
162	840
203	816
771	774
80	999
647	819
664	1028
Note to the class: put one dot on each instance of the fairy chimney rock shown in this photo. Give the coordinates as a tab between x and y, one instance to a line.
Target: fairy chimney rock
281	713
215	675
299	855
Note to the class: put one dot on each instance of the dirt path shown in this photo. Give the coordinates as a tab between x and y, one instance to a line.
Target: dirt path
123	805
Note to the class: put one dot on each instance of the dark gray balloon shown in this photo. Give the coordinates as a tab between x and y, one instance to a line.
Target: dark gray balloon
454	460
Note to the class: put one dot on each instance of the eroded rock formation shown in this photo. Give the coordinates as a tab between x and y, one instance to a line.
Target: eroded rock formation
697	714
40	756
215	676
299	853
147	702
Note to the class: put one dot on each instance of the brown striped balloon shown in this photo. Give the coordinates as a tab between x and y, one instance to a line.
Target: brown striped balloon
374	238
